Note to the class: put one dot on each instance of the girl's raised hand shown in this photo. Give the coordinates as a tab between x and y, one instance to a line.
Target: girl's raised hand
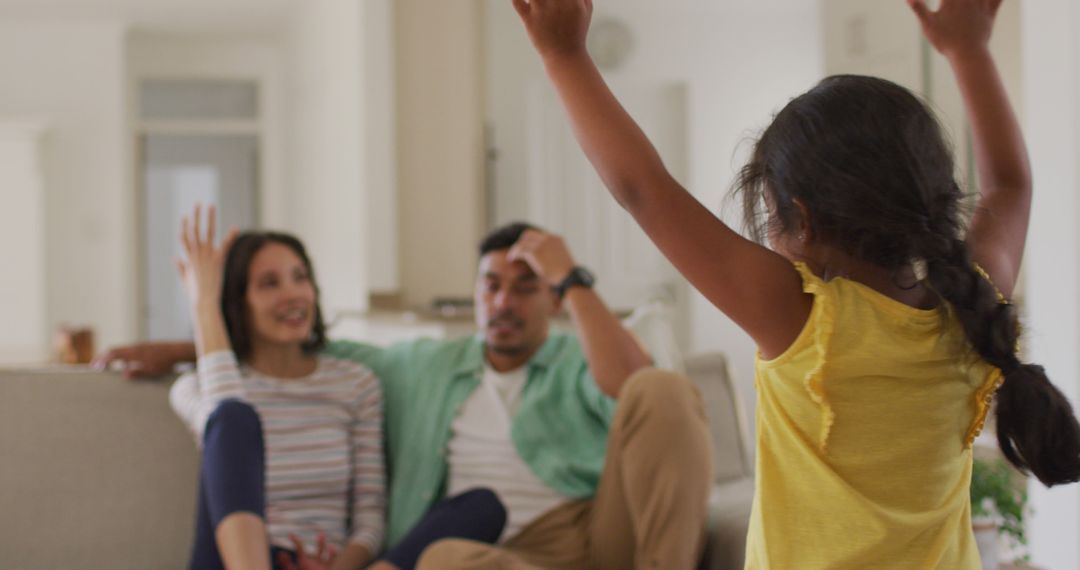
556	27
958	25
202	271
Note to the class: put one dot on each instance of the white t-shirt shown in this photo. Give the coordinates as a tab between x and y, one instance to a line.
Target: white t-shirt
481	453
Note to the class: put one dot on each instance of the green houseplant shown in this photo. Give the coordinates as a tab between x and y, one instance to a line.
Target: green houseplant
998	495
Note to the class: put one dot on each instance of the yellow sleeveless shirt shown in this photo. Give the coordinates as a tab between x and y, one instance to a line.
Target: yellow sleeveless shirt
864	432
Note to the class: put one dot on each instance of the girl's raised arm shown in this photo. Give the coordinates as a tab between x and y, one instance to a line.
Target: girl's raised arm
960	30
757	288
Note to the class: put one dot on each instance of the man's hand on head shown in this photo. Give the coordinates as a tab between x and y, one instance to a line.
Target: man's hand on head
547	255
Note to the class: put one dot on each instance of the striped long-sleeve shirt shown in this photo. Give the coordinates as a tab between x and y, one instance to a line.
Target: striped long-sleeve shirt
323	441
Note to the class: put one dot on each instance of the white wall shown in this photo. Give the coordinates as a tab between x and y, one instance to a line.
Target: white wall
22	242
745	62
326	146
71	74
740	61
1051	68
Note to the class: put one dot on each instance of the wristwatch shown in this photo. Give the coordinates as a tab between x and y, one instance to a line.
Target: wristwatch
578	277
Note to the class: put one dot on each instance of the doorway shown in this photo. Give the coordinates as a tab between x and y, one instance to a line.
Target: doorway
198	144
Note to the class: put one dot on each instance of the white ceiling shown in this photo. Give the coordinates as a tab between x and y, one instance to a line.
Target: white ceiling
171	16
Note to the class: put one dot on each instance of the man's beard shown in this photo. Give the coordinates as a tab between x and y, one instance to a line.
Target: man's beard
505	349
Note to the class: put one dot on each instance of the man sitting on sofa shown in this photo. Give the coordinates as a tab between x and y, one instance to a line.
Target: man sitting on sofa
532	415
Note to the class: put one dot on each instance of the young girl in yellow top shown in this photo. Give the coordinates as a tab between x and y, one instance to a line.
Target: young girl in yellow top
881	338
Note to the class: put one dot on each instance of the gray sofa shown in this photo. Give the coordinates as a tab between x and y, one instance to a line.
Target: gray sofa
96	471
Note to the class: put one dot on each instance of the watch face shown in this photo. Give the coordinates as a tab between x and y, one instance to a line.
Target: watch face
585	277
579	276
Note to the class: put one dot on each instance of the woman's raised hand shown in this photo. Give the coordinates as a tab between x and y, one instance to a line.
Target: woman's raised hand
202	270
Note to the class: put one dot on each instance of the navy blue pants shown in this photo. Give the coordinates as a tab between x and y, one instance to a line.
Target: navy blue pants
233	479
475	515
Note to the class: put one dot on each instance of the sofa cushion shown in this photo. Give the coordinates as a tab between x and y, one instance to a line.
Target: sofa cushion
723	407
729	519
98	471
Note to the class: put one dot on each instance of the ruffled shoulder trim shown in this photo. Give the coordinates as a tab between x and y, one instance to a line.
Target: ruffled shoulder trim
984	398
811	282
823	318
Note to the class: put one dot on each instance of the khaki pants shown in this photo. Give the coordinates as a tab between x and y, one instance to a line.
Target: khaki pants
649	510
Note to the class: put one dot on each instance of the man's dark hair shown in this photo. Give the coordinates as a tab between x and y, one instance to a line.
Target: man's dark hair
503	237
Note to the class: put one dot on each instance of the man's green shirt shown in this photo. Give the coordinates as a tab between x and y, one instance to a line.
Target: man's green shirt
560	429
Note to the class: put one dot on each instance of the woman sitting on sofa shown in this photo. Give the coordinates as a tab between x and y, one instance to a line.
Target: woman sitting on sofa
292	471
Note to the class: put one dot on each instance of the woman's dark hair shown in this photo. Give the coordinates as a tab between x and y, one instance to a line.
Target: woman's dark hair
234	290
868	162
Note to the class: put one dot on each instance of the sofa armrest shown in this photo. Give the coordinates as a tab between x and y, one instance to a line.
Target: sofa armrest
100	472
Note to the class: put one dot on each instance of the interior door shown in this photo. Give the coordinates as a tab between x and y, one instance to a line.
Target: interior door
179	171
